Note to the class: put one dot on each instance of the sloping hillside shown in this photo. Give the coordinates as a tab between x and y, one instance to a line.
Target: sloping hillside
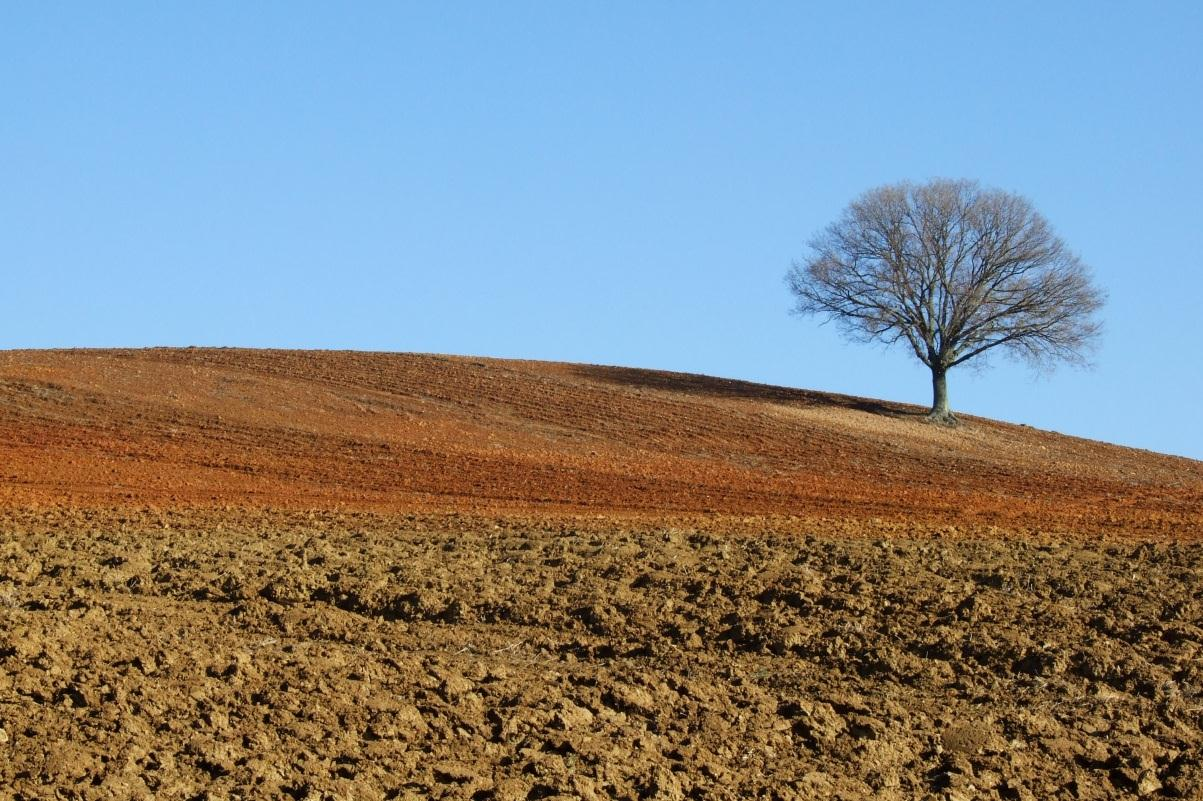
318	576
390	432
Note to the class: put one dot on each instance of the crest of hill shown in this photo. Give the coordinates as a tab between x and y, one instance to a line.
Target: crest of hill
409	432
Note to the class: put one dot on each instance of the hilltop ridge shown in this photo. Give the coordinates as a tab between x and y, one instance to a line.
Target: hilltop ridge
403	432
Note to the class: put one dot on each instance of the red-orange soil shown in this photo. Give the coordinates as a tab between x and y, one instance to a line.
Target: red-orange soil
272	574
400	432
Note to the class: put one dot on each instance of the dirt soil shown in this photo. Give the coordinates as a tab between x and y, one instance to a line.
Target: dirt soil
404	432
249	574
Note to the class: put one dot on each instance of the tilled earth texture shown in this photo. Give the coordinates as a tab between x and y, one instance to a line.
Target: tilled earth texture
249	574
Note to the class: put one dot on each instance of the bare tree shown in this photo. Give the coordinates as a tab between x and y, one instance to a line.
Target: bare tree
953	271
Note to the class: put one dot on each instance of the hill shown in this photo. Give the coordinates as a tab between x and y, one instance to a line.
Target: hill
319	576
390	432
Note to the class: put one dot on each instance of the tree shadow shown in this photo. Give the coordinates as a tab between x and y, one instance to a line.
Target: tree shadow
710	386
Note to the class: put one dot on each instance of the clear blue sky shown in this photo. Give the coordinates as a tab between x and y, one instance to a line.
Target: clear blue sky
622	183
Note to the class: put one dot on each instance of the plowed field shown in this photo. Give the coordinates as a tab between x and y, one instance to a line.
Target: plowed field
275	574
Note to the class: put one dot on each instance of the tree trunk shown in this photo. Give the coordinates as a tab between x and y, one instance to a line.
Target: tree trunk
940	413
